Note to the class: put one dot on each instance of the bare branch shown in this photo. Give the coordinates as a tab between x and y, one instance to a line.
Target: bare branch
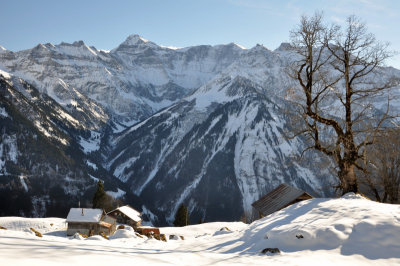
339	63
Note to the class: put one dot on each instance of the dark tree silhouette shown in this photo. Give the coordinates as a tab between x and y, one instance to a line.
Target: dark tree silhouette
181	216
100	199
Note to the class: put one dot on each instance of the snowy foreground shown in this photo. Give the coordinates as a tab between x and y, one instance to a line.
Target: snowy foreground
346	231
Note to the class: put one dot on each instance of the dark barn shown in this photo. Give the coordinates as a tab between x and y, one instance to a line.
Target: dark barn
279	198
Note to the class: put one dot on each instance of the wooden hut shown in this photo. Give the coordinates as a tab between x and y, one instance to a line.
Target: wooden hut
147	230
89	222
126	215
279	198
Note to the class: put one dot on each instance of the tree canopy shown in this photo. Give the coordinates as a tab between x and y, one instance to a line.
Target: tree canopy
338	73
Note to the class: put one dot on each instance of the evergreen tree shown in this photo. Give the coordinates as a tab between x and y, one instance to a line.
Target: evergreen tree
100	199
181	216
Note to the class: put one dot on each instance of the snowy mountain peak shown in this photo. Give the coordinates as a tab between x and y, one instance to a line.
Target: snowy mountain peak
78	43
285	46
258	50
75	44
134	40
259	47
2	49
50	45
39	47
77	48
135	43
238	45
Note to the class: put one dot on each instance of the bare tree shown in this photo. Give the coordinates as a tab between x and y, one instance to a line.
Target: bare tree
337	72
383	171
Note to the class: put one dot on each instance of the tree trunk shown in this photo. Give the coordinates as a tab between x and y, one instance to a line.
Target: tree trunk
377	197
348	179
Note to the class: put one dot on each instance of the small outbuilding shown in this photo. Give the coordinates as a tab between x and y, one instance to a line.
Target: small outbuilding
147	230
89	222
126	215
279	198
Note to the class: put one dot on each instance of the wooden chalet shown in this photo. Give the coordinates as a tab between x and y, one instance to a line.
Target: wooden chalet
126	215
279	198
89	222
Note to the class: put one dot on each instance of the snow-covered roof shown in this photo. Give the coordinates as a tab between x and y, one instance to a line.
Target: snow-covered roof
130	212
84	215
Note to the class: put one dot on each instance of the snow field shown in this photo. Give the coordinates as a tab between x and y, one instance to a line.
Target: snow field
43	225
347	231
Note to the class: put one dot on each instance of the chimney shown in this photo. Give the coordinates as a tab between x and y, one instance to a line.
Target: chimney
82	212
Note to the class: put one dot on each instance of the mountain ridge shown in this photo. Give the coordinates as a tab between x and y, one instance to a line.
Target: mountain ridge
132	81
204	125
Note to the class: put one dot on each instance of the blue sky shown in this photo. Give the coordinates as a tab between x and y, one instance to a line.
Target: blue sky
104	24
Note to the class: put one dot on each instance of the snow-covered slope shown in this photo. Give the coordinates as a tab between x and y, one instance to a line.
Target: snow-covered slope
219	149
42	165
223	146
347	231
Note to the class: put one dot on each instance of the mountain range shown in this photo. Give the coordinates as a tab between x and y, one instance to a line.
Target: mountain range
206	126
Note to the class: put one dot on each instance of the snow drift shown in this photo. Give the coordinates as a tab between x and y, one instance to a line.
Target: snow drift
352	224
